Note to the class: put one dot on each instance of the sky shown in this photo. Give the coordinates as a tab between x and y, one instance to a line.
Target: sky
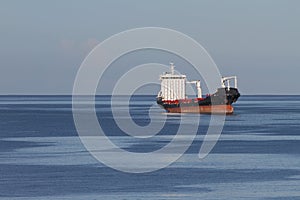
43	43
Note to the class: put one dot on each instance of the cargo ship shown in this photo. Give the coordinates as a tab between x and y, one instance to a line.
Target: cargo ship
172	96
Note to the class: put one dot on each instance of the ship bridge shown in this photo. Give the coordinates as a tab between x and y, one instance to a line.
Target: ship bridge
172	85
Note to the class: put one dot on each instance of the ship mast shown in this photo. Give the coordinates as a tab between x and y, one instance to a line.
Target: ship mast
172	68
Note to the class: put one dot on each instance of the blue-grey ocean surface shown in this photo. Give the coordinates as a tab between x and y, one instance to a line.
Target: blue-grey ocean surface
257	156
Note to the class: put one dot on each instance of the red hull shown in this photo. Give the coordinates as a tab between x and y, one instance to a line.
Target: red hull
215	109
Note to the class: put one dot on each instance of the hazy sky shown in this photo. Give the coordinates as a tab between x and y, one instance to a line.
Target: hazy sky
42	43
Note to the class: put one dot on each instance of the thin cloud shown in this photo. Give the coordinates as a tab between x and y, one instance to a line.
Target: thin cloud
72	47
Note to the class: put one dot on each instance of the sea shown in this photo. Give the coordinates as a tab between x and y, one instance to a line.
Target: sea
257	155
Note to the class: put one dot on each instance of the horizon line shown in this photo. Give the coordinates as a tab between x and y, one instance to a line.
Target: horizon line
134	95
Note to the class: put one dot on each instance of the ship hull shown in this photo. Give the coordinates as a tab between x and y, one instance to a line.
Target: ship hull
218	103
215	109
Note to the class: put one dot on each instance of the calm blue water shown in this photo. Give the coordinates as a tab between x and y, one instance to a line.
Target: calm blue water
257	156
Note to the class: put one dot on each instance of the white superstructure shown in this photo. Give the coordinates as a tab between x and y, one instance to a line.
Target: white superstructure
172	85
